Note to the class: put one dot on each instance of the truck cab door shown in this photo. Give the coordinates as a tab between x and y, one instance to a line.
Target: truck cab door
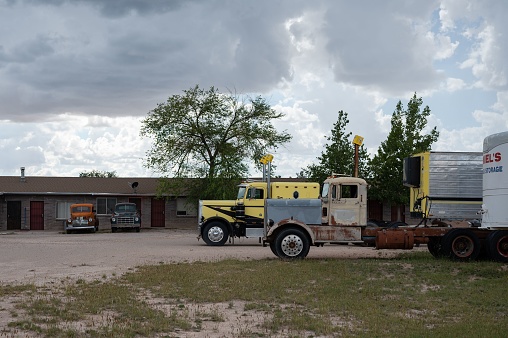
254	202
347	205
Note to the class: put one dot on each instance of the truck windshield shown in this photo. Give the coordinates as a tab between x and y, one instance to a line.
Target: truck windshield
324	193
241	193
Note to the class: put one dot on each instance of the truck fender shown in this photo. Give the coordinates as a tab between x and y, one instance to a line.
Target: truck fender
215	219
286	223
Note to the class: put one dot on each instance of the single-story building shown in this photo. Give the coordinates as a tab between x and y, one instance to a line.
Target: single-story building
43	203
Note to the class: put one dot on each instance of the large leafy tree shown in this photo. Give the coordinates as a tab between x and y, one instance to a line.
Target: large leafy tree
209	136
408	135
338	156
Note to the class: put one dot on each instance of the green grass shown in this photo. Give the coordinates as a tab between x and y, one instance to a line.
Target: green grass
413	295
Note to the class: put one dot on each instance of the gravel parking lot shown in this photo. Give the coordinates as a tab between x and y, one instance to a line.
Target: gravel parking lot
42	256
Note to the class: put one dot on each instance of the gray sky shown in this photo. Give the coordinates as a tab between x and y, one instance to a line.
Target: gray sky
77	77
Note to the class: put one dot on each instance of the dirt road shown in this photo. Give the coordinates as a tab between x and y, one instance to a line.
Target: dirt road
40	257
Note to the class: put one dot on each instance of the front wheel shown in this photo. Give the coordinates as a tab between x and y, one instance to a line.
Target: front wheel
292	244
215	234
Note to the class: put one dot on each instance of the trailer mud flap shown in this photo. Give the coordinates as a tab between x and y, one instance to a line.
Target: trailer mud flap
395	239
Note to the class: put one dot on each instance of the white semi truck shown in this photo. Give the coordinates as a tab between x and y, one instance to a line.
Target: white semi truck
293	226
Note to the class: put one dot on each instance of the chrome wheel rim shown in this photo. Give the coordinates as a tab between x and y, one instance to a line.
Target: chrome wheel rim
215	234
292	245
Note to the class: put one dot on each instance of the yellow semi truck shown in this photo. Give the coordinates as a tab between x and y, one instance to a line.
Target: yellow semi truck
244	217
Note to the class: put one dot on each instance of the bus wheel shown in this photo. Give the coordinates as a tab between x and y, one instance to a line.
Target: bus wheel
292	244
215	234
497	246
461	245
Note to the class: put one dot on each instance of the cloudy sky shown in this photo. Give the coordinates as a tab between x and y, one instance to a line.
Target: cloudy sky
78	76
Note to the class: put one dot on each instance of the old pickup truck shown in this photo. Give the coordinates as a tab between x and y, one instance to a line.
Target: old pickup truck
83	217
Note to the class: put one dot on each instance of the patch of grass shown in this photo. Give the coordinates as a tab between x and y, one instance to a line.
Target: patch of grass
412	295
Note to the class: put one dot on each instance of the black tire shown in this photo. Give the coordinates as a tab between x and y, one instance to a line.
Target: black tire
215	234
272	247
292	243
434	246
395	224
460	245
138	229
497	245
113	229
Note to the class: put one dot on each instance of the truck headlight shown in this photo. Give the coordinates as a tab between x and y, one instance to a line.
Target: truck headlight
113	219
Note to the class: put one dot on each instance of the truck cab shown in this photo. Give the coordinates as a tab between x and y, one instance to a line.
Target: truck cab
344	201
244	217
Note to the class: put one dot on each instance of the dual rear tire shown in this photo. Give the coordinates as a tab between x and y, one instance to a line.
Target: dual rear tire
464	245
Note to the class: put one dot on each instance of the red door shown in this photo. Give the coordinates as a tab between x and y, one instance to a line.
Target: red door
36	215
158	206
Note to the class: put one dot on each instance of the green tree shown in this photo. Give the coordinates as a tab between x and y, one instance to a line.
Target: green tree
98	173
209	136
338	156
407	136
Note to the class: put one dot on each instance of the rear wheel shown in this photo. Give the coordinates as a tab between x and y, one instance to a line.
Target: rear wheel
461	245
497	246
292	244
434	246
215	234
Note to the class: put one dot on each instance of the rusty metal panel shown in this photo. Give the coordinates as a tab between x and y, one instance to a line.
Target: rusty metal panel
336	233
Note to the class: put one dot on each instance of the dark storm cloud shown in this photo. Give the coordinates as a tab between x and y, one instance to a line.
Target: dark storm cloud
148	51
117	8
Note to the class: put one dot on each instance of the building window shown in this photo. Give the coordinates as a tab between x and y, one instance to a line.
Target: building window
63	210
185	209
105	206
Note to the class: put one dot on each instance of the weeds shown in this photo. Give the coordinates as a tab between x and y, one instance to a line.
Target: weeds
412	295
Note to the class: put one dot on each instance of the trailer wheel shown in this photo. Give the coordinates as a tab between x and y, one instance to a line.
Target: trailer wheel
215	234
461	245
292	244
434	247
497	246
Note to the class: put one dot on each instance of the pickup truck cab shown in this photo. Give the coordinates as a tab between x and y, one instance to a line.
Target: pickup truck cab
83	217
125	216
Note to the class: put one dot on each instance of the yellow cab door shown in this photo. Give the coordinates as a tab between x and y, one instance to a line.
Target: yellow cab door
254	207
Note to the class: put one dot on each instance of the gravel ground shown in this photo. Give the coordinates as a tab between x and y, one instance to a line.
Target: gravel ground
41	257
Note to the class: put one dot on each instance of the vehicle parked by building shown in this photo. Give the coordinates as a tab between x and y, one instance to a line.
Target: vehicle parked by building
125	216
83	217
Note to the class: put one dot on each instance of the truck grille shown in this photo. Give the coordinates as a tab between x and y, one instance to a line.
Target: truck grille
125	220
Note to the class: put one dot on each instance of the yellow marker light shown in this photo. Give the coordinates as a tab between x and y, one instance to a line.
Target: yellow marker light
267	158
358	140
